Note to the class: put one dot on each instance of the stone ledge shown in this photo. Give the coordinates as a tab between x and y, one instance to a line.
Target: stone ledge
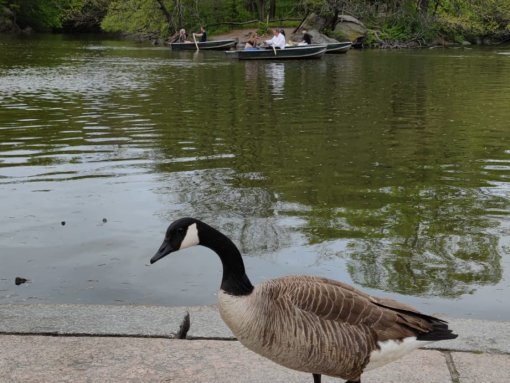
164	322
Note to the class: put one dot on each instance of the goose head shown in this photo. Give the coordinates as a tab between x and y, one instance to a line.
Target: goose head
180	234
187	232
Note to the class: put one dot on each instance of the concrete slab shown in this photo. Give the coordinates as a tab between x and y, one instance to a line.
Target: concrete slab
102	359
476	368
126	320
478	336
162	321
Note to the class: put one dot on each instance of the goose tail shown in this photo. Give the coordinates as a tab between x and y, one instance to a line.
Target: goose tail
440	331
425	327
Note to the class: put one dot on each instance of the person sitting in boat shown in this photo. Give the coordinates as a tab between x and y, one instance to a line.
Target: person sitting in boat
252	43
202	34
307	37
278	40
179	37
182	36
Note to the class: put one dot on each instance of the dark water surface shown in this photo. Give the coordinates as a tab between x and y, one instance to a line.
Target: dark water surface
389	170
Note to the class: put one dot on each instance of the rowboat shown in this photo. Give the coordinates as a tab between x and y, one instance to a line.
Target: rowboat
336	47
339	47
297	52
220	45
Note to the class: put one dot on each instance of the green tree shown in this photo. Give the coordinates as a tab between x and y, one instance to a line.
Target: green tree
163	16
41	14
137	16
470	18
87	17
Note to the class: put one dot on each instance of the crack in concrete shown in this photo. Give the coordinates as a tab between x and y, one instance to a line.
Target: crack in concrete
454	373
84	335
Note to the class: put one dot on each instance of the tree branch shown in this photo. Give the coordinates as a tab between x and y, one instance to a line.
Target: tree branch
165	12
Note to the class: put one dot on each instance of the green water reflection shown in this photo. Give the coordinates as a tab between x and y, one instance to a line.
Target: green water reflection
396	164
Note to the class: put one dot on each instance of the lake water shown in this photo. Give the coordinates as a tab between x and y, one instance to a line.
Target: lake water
389	170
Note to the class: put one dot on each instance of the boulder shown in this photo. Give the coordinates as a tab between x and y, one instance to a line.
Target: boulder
313	24
317	37
350	28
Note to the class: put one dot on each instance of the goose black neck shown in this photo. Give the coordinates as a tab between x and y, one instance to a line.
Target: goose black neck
234	281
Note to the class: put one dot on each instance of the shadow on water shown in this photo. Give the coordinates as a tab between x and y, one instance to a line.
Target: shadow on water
383	164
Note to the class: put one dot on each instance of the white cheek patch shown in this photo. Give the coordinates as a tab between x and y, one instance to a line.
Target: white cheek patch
191	238
391	350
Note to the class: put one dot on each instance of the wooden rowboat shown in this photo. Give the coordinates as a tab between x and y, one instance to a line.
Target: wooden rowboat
220	45
297	52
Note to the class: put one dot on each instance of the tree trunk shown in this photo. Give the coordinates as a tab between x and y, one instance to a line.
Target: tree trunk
165	12
334	21
272	9
180	12
261	5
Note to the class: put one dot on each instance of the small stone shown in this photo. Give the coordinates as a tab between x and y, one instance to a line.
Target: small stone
105	220
184	327
63	223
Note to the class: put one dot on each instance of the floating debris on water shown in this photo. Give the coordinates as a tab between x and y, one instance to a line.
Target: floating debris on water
19	281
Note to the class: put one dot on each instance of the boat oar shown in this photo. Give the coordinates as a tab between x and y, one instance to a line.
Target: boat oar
195	40
274	49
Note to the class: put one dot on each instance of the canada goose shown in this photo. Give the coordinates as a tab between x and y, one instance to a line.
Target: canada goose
305	323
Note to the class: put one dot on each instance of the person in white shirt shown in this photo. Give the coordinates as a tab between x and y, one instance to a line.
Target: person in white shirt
278	40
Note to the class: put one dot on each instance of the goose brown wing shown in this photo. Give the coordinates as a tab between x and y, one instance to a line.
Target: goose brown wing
338	302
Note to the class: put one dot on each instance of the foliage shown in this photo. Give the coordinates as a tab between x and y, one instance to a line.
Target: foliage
407	24
323	7
135	16
420	21
146	16
87	17
475	18
263	29
390	21
41	14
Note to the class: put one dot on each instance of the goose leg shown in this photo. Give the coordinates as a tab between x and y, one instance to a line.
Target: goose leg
316	378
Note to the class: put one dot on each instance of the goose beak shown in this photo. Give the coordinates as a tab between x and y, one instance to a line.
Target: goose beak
165	249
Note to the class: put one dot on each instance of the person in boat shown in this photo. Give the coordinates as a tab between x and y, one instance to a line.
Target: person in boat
182	36
252	43
179	36
307	37
278	40
202	34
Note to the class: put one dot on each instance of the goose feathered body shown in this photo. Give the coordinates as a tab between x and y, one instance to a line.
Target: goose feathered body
319	325
306	323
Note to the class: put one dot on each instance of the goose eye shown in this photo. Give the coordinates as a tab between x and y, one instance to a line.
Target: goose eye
180	230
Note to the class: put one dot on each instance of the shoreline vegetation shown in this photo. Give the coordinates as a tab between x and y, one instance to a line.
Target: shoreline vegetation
367	23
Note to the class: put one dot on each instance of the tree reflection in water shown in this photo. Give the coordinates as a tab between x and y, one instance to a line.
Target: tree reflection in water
439	244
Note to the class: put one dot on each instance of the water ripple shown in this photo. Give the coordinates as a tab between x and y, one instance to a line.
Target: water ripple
384	168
